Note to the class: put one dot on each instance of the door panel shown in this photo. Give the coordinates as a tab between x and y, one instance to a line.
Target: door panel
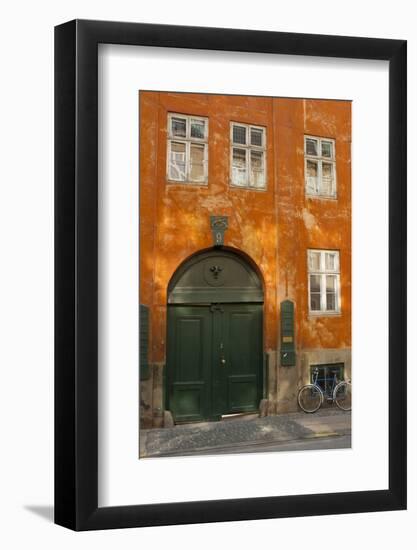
190	348
214	360
187	401
243	393
243	341
188	361
240	342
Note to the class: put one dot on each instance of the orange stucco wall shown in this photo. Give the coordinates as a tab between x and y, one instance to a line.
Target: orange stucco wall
275	227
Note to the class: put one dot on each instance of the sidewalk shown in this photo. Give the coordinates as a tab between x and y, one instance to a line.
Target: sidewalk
328	428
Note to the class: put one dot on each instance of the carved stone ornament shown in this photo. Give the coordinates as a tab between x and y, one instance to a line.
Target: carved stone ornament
218	225
214	272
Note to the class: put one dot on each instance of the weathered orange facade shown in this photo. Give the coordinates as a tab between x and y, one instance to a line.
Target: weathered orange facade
273	227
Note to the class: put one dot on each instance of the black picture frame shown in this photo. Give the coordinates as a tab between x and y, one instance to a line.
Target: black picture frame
76	271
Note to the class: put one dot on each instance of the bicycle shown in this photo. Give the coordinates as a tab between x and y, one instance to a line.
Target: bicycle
311	396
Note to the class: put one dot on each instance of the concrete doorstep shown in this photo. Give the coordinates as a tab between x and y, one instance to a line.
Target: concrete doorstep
295	431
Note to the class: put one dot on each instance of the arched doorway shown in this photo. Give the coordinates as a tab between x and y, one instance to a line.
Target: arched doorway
214	337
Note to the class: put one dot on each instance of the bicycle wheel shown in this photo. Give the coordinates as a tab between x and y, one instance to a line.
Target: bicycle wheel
342	395
310	398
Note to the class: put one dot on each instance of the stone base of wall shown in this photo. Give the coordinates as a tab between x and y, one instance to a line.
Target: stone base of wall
151	413
287	388
281	384
291	379
145	396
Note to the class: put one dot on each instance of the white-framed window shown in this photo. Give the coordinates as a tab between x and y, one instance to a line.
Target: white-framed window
187	149
320	166
323	281
247	156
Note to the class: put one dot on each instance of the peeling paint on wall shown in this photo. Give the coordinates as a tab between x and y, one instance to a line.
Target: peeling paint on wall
309	220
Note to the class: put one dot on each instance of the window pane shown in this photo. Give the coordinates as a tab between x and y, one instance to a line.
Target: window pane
197	162
331	283
315	283
239	134
198	129
327	149
331	292
257	168
326	374
239	175
177	161
315	301
257	158
239	158
312	176
178	127
312	168
256	136
314	261
330	301
331	264
327	178
311	147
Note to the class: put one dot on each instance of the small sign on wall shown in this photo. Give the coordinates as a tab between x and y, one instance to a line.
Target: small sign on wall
288	356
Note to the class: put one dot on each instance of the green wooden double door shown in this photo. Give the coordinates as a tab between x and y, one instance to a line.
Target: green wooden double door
214	360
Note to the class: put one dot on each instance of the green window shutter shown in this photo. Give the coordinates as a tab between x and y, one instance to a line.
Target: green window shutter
143	341
288	357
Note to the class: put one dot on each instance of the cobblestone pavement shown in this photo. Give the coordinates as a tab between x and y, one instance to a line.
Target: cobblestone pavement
249	434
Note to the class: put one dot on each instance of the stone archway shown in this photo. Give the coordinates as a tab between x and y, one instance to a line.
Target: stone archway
214	337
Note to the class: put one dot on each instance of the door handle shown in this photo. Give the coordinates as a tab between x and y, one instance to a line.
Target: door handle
222	359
